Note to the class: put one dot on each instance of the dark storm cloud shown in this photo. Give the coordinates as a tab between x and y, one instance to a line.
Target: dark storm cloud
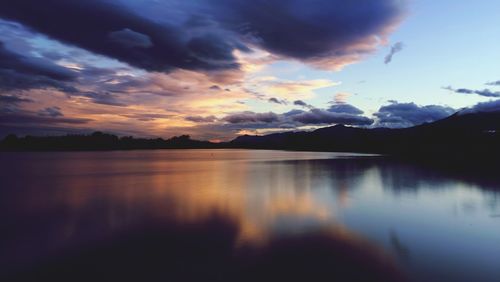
103	98
11	103
147	116
51	112
494	83
33	66
251	117
27	118
13	80
310	30
129	38
484	92
319	116
104	27
201	119
202	35
18	72
293	113
490	106
11	99
336	114
96	72
397	47
398	115
345	108
302	104
23	72
277	101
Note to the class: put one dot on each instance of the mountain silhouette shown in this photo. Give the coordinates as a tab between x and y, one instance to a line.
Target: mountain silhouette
464	135
460	135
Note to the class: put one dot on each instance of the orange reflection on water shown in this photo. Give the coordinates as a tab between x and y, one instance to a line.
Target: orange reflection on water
68	201
237	190
264	192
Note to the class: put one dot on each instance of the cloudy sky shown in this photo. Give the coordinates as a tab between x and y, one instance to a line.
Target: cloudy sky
215	69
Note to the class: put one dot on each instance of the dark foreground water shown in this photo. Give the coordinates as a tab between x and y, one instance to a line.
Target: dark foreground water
242	215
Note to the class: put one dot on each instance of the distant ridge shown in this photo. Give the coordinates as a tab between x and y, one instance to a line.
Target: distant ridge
462	135
458	135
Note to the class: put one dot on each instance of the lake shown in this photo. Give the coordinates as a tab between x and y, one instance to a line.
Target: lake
242	215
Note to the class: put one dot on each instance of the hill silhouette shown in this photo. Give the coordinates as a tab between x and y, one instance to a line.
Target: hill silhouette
460	136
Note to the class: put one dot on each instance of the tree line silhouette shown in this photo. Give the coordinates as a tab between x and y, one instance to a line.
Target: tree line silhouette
458	137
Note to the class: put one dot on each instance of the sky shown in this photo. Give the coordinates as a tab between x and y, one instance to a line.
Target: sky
216	69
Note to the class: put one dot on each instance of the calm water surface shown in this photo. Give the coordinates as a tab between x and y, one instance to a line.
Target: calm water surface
425	224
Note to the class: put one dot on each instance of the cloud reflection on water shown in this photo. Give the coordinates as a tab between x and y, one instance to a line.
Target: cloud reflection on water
62	201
